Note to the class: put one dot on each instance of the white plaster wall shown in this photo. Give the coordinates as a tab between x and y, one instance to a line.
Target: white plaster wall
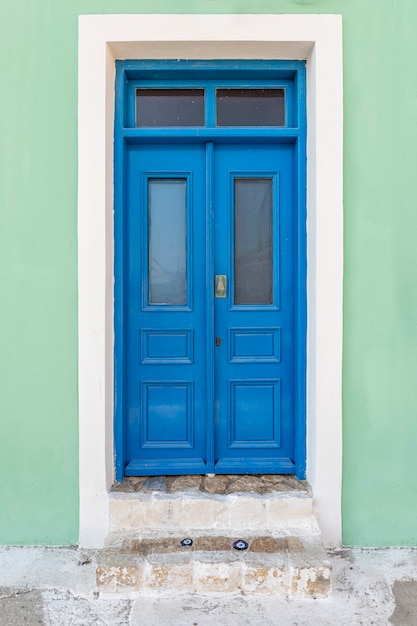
104	38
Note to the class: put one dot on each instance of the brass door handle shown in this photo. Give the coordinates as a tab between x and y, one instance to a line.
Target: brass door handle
221	285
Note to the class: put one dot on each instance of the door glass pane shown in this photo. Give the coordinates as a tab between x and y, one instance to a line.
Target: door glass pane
167	241
169	107
250	107
253	241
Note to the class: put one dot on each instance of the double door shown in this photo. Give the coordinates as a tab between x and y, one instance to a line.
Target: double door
210	274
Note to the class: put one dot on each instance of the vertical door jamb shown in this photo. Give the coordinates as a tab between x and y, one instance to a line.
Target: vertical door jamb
120	157
300	439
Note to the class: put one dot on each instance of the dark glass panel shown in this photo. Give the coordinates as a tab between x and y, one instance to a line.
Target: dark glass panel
250	107
253	241
169	107
167	241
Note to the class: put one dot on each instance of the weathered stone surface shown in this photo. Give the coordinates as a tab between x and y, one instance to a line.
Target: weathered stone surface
66	609
204	543
155	483
182	483
163	512
370	586
119	578
320	583
210	544
266	580
245	483
268	544
248	512
201	510
294	544
127	514
289	510
405	594
285	483
282	565
130	485
24	608
174	576
154	514
314	582
203	513
218	577
216	484
153	546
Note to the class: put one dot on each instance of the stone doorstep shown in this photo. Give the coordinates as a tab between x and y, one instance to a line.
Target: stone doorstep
278	565
132	512
150	516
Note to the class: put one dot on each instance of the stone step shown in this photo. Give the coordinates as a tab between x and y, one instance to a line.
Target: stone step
209	503
273	517
210	563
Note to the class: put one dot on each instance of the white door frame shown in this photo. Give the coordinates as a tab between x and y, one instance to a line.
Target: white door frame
102	40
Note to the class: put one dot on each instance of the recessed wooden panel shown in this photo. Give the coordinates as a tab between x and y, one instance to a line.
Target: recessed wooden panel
167	414
167	346
255	413
255	346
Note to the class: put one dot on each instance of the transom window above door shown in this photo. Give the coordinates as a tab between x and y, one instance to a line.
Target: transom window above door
174	95
232	107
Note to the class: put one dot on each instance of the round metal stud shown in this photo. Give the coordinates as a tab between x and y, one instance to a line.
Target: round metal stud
186	543
240	544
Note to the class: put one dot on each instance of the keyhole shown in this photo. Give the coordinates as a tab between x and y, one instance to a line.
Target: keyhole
218	341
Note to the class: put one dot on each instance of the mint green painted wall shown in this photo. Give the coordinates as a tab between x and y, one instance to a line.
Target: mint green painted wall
380	338
38	272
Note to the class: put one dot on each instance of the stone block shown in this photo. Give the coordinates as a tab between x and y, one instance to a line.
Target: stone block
284	511
248	512
312	582
119	578
203	513
163	513
126	514
264	579
218	577
170	576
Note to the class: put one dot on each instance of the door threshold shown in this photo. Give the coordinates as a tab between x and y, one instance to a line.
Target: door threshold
218	484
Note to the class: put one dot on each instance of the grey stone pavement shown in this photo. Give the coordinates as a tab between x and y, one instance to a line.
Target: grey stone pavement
56	586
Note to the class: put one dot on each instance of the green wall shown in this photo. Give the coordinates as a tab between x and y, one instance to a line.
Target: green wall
38	271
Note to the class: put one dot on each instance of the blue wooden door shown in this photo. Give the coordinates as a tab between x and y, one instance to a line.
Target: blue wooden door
166	277
210	278
254	321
